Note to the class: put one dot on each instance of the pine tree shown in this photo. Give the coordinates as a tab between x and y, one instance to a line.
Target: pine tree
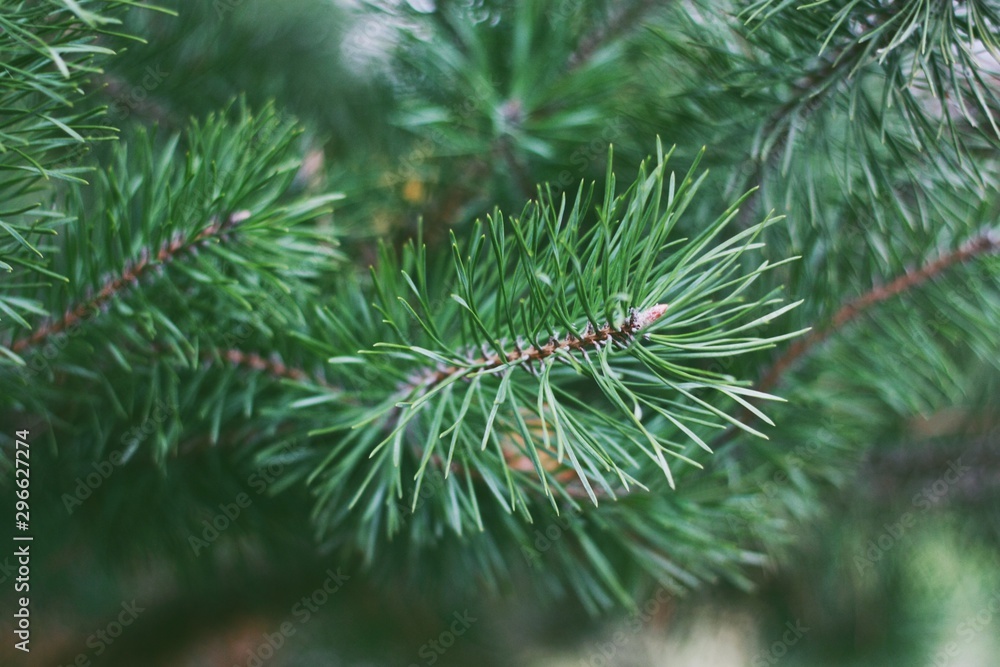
588	300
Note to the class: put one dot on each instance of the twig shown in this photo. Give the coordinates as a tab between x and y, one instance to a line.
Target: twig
591	338
273	366
133	271
988	241
809	92
621	335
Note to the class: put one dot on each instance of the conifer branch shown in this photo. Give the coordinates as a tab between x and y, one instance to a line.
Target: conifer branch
133	271
441	404
273	366
808	93
621	336
986	242
814	85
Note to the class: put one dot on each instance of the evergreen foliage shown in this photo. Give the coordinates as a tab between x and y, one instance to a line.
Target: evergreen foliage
408	292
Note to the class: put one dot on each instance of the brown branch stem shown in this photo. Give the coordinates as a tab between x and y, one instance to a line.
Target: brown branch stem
273	366
591	338
133	271
988	241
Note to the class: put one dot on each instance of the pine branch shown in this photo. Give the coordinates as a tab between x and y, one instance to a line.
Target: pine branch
987	242
912	89
620	336
607	402
273	366
920	55
984	243
131	274
810	92
49	51
812	89
241	275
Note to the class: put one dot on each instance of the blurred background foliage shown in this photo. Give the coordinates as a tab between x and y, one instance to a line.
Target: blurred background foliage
863	122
